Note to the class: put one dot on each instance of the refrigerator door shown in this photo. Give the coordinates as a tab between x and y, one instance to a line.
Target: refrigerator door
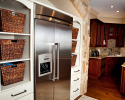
63	36
44	39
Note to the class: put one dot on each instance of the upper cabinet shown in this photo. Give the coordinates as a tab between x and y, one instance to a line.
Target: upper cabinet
104	31
95	32
101	32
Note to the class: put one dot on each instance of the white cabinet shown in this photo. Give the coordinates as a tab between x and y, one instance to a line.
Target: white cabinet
76	70
27	97
19	89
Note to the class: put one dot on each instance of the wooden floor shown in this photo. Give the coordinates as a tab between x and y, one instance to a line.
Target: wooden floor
105	88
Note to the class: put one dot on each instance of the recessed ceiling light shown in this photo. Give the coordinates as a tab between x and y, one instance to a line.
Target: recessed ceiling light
112	6
117	11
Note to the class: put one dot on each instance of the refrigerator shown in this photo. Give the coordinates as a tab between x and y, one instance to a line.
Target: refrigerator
53	42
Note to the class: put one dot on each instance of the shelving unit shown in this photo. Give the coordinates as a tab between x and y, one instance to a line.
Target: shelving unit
27	83
76	70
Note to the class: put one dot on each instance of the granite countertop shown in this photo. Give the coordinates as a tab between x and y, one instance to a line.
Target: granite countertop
101	57
123	65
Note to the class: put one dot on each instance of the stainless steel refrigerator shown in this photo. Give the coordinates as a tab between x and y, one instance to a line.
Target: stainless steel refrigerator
53	42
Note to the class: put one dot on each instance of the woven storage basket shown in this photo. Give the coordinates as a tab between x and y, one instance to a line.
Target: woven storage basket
11	21
11	75
74	33
74	46
73	60
11	48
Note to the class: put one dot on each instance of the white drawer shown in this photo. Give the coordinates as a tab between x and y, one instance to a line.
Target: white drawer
75	70
75	79
75	90
27	97
18	92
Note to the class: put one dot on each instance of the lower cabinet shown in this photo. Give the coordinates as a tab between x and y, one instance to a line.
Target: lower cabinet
96	67
75	82
17	92
122	88
27	97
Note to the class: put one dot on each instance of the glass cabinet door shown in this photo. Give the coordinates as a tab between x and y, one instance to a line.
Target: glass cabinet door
122	37
111	32
104	35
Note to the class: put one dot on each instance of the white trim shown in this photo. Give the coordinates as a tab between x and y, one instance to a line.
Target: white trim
93	12
34	1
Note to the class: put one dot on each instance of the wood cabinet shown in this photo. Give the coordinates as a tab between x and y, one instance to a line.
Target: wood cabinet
104	38
122	88
95	33
96	67
100	33
113	64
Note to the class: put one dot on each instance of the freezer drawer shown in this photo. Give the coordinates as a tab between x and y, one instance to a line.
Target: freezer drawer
17	92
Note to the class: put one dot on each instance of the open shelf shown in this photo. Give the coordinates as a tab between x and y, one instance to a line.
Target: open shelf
75	53
14	85
75	40
8	33
14	60
26	78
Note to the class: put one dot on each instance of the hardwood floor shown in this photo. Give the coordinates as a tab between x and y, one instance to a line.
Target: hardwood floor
105	88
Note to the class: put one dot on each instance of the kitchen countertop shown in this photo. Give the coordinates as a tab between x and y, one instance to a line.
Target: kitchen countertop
101	57
123	65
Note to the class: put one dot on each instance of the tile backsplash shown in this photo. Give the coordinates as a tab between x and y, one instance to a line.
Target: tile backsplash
106	50
110	49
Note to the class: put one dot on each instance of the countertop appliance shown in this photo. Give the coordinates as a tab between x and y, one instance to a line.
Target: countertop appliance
53	42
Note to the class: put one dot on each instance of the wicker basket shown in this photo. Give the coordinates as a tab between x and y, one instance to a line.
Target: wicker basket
11	48
74	33
74	46
11	74
11	21
73	60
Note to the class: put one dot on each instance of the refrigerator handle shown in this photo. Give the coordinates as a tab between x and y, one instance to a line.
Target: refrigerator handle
58	49
53	60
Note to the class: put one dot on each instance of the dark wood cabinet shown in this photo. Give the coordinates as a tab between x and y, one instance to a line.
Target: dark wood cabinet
95	33
104	38
122	88
100	33
113	64
111	31
96	67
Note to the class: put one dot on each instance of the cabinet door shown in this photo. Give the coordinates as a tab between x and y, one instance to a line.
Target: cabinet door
121	41
111	32
104	35
92	34
117	34
122	88
27	97
98	34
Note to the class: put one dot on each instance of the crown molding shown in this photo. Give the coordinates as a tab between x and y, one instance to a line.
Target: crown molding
94	12
111	16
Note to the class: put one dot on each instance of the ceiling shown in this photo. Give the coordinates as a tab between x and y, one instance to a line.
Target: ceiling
103	7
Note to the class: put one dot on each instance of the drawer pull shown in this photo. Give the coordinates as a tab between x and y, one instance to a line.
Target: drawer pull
76	79
77	71
18	93
76	90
